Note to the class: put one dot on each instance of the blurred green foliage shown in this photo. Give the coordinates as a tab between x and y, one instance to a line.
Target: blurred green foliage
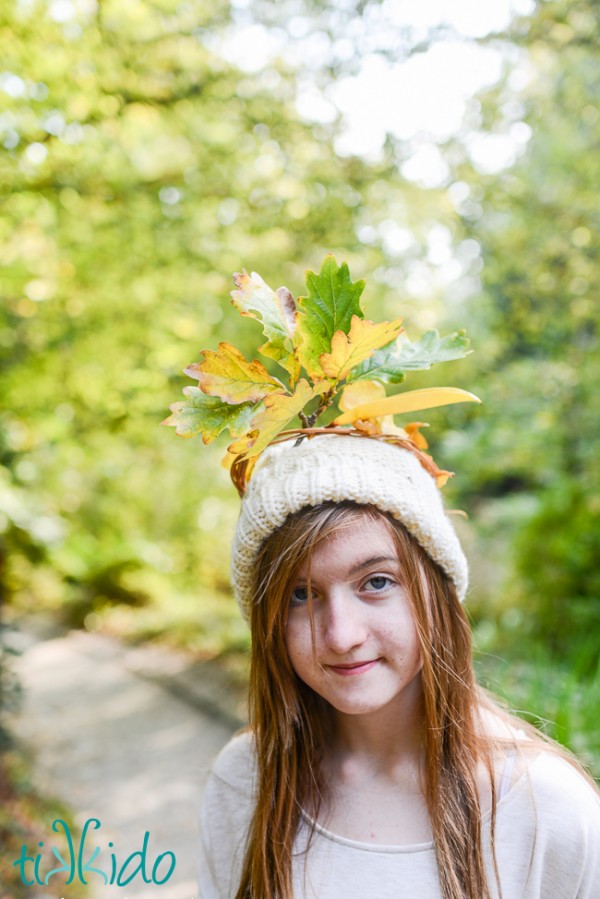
538	315
25	819
141	168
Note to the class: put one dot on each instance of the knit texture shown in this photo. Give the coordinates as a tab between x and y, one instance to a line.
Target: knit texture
330	468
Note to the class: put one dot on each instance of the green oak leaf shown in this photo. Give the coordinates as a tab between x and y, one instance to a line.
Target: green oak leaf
390	363
209	415
276	310
331	302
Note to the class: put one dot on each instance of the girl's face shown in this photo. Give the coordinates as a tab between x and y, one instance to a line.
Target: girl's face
366	653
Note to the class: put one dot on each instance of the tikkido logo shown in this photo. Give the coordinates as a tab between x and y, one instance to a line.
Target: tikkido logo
78	866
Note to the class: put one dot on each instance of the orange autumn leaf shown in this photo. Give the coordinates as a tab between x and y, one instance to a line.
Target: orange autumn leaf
367	426
442	477
415	435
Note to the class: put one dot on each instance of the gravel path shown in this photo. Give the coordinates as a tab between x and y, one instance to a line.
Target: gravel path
125	736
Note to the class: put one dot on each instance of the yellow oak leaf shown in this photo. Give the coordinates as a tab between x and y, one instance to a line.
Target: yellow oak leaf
228	460
228	375
359	393
347	350
279	409
411	401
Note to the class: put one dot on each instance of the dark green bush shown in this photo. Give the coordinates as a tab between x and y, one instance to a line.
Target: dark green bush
556	561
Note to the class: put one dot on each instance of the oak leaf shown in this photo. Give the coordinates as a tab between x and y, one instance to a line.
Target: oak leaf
228	375
348	350
277	411
367	426
411	401
360	393
276	310
208	416
391	362
414	433
332	301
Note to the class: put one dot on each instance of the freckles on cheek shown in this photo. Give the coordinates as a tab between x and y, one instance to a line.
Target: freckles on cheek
291	639
298	644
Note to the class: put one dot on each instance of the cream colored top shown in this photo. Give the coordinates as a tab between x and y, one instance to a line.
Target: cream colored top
547	841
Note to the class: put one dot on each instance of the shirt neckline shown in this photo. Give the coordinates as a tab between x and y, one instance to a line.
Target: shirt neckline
426	846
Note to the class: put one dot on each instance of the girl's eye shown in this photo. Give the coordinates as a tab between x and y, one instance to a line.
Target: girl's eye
378	582
299	596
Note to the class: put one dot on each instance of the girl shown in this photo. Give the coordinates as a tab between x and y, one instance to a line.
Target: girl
373	765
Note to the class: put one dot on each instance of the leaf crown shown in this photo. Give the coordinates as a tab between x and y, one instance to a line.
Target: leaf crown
331	354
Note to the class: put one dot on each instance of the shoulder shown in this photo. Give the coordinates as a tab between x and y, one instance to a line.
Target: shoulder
564	804
557	784
235	765
226	812
229	794
535	769
548	828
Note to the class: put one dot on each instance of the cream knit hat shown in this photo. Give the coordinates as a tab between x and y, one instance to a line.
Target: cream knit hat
331	468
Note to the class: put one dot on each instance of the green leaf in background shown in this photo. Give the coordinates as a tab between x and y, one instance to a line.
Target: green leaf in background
331	302
209	415
391	362
276	310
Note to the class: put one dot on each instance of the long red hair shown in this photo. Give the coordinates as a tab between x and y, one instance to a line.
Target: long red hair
292	724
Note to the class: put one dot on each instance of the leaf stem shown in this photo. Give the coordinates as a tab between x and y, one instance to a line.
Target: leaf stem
325	402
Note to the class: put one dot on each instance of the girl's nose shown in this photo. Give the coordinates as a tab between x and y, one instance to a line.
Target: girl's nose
344	624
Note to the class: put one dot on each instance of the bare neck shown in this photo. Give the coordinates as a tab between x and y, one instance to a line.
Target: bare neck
381	741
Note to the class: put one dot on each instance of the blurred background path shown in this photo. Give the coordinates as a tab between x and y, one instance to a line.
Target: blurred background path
125	735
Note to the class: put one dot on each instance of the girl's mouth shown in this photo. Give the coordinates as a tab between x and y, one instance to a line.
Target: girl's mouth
353	668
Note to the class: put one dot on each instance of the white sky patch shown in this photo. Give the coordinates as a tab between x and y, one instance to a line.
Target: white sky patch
468	17
426	166
67	10
36	153
395	239
250	47
12	85
313	105
427	95
493	152
54	123
62	10
422	98
439	245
